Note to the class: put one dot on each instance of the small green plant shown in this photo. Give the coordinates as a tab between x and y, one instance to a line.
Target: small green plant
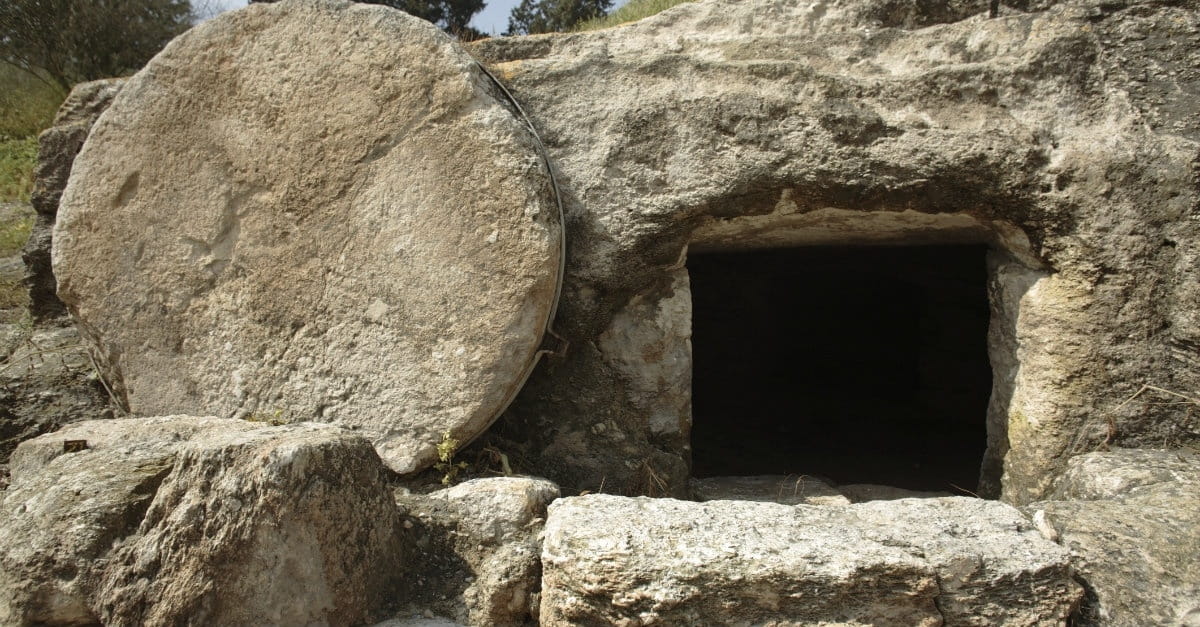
274	419
446	464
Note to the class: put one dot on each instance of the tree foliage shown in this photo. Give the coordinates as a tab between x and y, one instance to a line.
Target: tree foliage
452	16
553	16
67	41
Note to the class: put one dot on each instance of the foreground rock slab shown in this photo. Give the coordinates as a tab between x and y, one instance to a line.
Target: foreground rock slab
1131	520
184	520
480	548
955	561
306	229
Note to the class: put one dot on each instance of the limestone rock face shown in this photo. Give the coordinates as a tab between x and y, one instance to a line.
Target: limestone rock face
1131	520
1121	472
183	520
616	560
480	546
57	148
321	211
1061	134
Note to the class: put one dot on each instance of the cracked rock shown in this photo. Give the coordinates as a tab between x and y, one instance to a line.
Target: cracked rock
185	520
955	561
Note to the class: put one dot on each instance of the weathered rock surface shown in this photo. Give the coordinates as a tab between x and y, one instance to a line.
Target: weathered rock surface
57	148
418	622
1121	472
1063	134
1132	525
46	382
616	560
790	490
480	546
305	229
183	520
863	492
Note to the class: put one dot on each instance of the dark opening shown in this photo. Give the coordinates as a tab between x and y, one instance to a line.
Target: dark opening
861	365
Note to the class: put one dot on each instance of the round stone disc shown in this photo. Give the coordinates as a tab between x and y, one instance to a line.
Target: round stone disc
314	211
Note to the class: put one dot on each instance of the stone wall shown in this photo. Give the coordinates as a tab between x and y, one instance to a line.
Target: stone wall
1057	134
1054	135
1061	136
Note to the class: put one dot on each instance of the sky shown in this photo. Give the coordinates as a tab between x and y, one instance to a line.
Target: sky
492	20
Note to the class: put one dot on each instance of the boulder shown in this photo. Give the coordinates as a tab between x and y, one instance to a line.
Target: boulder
57	148
1132	525
321	211
639	561
186	520
790	490
479	547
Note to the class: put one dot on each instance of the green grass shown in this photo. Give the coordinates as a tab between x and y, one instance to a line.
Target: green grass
14	231
633	11
17	158
27	107
16	221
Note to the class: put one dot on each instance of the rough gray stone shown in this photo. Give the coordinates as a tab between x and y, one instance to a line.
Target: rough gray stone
1120	472
57	148
45	383
1133	534
183	520
303	229
790	490
1062	134
480	544
616	560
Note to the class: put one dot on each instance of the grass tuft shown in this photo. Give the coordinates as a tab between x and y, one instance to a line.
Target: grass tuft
17	158
27	107
14	232
633	11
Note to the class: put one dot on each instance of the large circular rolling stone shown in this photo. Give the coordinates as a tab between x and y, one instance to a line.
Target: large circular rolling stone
314	210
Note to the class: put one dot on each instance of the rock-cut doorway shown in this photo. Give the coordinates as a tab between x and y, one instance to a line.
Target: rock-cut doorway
856	364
